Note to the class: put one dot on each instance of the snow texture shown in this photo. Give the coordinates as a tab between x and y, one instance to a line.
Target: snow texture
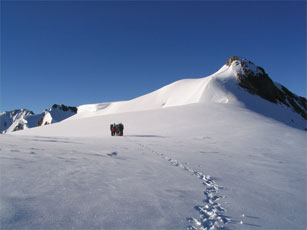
196	154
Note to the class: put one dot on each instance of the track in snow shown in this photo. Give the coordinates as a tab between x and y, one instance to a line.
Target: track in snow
211	212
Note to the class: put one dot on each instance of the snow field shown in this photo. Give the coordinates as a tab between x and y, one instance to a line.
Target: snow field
84	184
196	154
257	164
211	213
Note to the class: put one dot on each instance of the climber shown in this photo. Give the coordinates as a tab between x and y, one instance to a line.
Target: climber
113	129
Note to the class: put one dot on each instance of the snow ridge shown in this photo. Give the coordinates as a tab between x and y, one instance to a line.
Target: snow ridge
238	82
211	212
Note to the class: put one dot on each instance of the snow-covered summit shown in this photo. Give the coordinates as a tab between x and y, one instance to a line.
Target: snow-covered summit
242	66
256	81
239	82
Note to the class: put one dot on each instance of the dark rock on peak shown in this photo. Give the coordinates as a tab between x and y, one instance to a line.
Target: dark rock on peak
254	78
231	59
65	108
256	81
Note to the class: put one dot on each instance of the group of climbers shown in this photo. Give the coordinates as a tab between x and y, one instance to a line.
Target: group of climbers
117	129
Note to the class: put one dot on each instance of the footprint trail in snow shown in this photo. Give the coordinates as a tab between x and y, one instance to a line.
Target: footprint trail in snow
211	212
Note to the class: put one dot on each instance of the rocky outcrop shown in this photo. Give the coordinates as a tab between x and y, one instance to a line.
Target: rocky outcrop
65	108
256	81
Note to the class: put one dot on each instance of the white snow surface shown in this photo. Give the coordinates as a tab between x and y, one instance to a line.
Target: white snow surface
197	154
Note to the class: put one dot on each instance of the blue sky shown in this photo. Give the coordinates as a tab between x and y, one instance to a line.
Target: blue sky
79	52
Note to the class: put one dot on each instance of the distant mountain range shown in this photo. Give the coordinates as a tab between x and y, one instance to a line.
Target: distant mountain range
238	82
21	119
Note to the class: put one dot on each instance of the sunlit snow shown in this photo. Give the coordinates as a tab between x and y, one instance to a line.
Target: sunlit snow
196	154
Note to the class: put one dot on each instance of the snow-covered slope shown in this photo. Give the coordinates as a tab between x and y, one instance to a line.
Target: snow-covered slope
23	119
238	82
213	153
198	166
182	92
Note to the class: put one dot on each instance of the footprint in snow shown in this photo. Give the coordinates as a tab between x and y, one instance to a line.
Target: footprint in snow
112	154
15	150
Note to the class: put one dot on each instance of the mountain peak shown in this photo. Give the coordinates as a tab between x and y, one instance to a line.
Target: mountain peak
253	78
235	58
256	81
244	66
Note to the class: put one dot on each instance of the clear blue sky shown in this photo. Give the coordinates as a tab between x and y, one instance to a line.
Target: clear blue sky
80	52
